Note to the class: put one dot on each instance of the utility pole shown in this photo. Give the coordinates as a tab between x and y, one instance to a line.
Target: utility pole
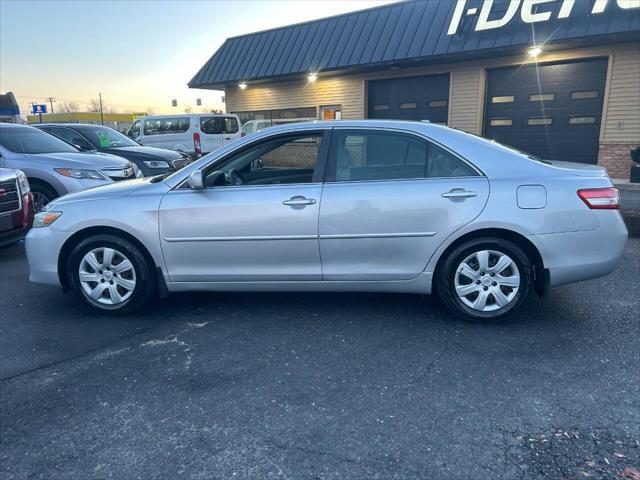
51	100
101	115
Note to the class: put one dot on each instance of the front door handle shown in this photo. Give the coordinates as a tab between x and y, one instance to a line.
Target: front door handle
459	193
299	201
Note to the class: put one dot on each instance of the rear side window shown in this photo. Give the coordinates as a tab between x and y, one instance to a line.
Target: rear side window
214	125
167	125
373	155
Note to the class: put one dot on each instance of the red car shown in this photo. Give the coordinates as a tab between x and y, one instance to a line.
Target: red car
16	206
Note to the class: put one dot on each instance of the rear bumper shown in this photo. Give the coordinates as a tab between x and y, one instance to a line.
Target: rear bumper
576	256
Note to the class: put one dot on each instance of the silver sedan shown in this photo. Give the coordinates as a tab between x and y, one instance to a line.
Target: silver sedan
378	206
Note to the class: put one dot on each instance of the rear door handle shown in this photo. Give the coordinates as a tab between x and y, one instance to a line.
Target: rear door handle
299	201
459	193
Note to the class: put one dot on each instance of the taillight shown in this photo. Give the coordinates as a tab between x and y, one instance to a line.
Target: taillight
196	144
600	198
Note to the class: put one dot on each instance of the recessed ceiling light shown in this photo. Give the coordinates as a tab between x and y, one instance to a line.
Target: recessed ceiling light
242	85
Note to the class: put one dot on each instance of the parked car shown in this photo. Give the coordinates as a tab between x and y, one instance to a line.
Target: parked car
253	126
194	134
149	160
54	167
378	206
16	206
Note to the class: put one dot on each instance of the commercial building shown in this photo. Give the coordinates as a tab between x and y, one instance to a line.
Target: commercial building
9	109
557	78
118	121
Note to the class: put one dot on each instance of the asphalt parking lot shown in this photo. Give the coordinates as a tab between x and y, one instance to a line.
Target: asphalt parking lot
319	386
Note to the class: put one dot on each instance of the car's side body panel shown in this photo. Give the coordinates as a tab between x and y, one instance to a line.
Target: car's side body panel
387	230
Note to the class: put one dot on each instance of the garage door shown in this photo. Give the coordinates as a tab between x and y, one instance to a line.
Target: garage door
552	111
410	98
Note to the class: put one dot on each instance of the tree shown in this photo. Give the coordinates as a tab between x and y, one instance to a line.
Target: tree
94	107
68	107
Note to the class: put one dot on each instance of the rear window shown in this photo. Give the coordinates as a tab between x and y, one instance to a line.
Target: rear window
214	125
166	125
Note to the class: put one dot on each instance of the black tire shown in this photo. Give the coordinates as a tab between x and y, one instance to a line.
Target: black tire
445	278
145	287
42	191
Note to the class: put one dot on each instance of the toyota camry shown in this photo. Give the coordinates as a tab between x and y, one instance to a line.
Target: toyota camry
376	206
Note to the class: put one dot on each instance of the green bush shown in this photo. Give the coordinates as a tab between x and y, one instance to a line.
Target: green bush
635	154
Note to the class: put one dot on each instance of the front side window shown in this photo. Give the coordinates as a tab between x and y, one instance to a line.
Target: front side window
373	155
166	125
282	160
32	140
134	129
70	136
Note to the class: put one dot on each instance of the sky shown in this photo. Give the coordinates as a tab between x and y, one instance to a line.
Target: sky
138	54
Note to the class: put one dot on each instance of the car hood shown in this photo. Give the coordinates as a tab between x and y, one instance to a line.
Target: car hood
112	190
81	160
145	153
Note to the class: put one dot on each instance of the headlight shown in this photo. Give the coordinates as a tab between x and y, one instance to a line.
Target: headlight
23	183
80	173
156	164
44	219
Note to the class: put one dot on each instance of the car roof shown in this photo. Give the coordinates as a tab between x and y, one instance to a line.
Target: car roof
173	115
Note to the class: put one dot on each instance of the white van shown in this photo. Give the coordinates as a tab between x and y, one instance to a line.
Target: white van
195	134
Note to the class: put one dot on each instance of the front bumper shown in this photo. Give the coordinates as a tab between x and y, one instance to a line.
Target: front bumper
43	246
22	221
576	256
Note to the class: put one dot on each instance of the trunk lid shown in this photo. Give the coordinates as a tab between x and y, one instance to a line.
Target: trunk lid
579	169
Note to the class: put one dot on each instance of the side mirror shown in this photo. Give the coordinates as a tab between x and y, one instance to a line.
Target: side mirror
196	180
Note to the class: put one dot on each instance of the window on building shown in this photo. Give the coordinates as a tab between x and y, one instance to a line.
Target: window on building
542	97
381	107
584	94
280	115
539	121
582	120
503	99
408	105
438	103
500	122
374	155
166	125
330	112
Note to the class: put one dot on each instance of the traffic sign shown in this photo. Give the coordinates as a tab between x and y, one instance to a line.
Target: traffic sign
38	108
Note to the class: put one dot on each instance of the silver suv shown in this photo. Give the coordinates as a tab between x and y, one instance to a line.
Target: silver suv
54	167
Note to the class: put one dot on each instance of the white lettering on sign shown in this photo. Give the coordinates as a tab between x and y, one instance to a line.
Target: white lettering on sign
531	11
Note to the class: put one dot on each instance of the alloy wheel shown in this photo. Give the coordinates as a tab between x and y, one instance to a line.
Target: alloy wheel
107	276
487	280
40	200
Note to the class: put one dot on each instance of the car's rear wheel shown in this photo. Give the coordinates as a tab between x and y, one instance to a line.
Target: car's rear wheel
485	279
110	273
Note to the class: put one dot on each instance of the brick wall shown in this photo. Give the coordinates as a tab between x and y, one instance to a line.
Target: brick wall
615	157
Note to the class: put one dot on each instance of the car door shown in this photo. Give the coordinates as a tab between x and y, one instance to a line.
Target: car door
389	200
257	218
211	133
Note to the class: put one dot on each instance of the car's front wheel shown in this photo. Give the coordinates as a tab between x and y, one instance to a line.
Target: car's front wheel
485	279
110	273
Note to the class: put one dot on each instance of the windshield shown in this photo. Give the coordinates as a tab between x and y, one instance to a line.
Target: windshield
104	137
32	140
